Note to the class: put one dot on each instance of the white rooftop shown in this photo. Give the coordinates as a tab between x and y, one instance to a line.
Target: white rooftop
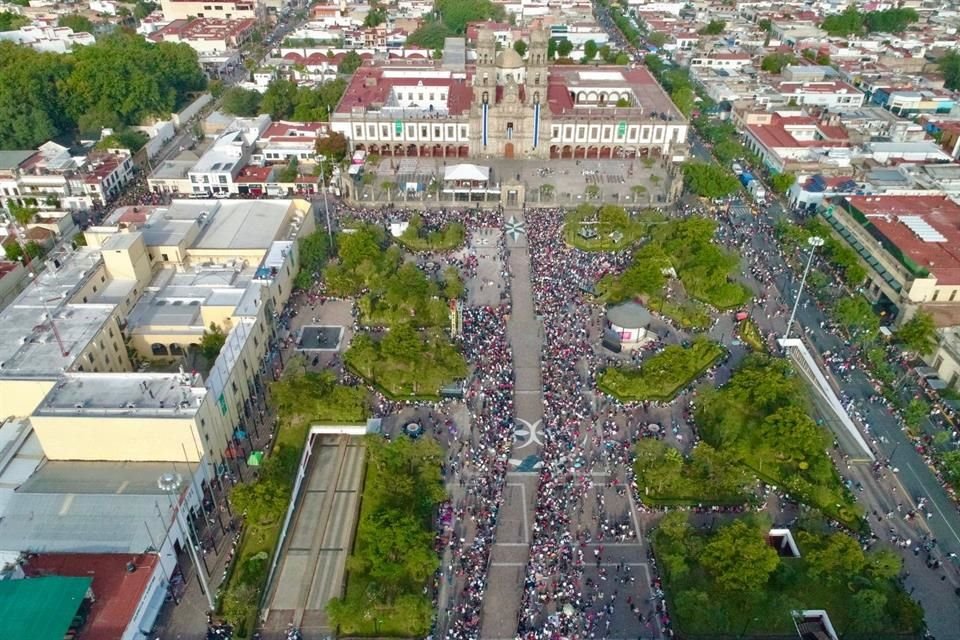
118	394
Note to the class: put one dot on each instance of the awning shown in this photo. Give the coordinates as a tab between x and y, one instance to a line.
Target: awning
467	172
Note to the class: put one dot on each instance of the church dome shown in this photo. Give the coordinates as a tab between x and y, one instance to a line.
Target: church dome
509	59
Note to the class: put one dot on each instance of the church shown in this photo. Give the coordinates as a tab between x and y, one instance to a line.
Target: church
500	105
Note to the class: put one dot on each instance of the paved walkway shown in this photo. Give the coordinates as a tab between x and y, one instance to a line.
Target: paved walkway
509	556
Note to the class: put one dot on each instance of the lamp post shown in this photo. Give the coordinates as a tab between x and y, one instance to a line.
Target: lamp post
170	483
814	242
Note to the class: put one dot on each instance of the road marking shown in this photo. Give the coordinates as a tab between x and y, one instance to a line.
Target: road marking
935	506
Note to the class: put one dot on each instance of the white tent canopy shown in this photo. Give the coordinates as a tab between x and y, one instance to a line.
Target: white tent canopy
467	172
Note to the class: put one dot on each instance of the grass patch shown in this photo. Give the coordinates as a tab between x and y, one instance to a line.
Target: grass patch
729	583
750	335
661	376
688	315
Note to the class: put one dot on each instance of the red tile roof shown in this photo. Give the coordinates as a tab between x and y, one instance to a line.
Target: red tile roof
942	259
369	86
116	591
251	174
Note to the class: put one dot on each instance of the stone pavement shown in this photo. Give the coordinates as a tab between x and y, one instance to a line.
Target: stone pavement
509	555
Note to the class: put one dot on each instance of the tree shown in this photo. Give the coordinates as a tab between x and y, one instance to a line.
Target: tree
77	22
590	50
13	250
775	62
453	286
949	66
592	192
564	48
856	314
739	558
782	182
333	146
350	63
709	180
918	334
10	21
142	9
456	14
714	28
658	39
23	215
837	560
870	605
126	138
843	24
212	342
279	99
430	35
520	47
915	412
684	98
314	253
241	102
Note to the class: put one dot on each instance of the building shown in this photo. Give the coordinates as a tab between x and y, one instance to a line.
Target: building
909	245
221	9
51	178
788	142
503	106
207	36
830	94
282	141
48	39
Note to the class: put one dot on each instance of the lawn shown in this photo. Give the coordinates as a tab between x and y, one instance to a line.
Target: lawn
661	376
858	590
689	315
750	335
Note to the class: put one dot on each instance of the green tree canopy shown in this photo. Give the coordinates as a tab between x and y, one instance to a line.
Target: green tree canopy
350	63
10	21
918	334
775	62
520	47
79	23
714	28
333	146
782	182
212	342
709	180
564	48
739	558
241	102
949	66
856	314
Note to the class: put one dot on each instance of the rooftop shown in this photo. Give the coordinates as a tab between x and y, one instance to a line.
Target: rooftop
124	394
373	86
90	507
40	608
895	218
116	589
567	79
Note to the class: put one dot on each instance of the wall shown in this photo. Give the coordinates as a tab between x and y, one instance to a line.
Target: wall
99	436
21	397
180	119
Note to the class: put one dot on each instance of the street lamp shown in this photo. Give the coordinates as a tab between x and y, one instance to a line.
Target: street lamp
814	242
170	483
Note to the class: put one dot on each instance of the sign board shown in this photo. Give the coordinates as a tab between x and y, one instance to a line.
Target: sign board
622	129
398	127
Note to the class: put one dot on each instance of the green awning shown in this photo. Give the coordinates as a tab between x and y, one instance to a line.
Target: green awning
255	458
40	608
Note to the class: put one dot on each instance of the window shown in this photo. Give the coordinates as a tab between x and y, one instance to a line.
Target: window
233	385
165	257
424	132
420	97
436	133
90	357
384	131
463	132
223	179
431	97
450	131
411	131
94	288
372	130
359	131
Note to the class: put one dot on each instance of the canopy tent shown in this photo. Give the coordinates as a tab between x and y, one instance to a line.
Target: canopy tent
255	458
472	172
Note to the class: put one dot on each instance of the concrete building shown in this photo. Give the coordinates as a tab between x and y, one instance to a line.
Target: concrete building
908	245
220	9
503	106
207	36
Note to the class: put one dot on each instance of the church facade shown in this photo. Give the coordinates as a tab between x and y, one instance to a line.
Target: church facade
503	106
